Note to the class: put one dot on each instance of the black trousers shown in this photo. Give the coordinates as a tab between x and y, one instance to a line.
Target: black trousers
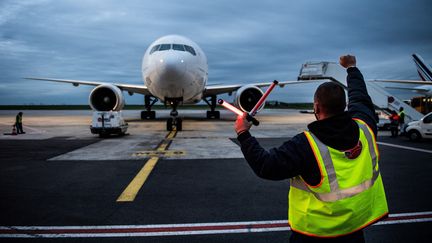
356	237
394	130
19	128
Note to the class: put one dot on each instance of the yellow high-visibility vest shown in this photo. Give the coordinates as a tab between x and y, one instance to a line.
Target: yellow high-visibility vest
350	195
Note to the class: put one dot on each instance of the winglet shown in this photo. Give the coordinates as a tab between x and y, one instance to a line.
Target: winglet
424	71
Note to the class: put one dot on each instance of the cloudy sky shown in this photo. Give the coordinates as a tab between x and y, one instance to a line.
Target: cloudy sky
245	41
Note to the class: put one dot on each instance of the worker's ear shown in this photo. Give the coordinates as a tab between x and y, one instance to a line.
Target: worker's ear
316	110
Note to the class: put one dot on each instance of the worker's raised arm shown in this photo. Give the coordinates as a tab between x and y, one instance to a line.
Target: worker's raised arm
277	163
359	102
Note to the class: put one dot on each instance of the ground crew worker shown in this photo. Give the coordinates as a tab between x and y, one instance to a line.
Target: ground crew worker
336	189
18	123
394	124
401	120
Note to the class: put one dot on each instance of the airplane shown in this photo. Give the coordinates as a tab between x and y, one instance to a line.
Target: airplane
425	73
174	71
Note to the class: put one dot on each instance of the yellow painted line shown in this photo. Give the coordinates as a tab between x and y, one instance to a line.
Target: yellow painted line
172	134
162	147
135	185
129	194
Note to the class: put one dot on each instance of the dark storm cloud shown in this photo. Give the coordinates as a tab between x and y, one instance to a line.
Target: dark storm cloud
245	41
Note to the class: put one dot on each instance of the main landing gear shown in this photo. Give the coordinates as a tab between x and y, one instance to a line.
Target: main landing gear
174	122
211	102
148	114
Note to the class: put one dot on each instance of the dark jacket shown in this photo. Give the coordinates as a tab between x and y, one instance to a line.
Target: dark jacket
295	157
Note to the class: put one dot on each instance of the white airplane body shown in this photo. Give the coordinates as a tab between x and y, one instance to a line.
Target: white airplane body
175	71
175	67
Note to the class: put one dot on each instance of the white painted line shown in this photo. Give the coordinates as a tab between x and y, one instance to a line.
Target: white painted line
410	214
177	229
405	147
403	221
145	226
144	234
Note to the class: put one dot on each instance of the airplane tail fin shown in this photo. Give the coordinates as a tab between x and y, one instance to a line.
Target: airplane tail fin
424	71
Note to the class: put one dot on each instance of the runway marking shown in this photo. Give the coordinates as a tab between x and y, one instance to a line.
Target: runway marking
166	153
129	194
405	147
178	229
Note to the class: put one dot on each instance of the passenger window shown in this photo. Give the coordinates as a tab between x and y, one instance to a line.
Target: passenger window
190	50
427	119
178	47
155	48
165	47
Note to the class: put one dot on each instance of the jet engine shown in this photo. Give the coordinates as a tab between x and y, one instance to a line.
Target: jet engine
106	97
247	97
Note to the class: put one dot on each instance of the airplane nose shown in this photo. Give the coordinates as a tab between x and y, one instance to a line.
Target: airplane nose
171	67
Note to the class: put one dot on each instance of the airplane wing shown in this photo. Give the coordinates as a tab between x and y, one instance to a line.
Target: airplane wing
132	88
142	89
228	88
417	82
411	89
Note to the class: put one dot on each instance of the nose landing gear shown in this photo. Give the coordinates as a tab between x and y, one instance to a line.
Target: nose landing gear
174	123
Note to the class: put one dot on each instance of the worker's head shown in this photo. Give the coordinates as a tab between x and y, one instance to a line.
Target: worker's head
329	100
401	109
20	113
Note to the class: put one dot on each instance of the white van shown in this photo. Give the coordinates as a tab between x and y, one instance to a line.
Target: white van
105	123
417	130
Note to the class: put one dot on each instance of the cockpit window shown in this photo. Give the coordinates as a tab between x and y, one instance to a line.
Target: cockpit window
190	50
155	48
165	47
178	47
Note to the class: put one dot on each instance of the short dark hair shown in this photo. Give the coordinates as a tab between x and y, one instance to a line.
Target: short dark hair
331	97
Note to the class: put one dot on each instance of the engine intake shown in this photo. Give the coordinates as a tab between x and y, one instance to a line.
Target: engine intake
247	97
106	97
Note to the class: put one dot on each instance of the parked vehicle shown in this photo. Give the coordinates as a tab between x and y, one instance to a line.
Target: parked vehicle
383	124
105	123
417	130
383	121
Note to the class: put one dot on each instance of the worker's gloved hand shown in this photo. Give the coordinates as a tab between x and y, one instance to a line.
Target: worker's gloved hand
347	61
241	124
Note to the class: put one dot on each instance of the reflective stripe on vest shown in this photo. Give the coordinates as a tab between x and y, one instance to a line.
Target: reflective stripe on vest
336	193
350	195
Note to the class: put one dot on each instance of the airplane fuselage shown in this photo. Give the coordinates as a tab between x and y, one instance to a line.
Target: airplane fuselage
175	68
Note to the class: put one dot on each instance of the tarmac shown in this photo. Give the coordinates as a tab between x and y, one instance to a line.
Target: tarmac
60	183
